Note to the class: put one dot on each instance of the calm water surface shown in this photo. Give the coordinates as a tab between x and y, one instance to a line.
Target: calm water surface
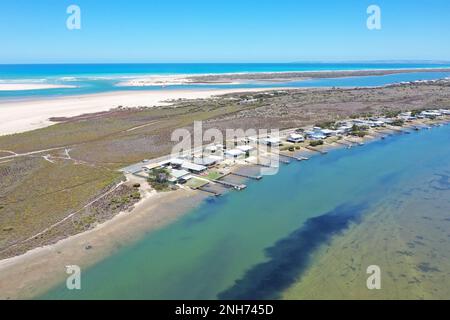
264	241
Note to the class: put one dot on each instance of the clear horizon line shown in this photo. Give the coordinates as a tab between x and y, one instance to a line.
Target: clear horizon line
243	62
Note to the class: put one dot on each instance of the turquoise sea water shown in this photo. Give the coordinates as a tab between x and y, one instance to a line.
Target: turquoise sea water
97	78
258	242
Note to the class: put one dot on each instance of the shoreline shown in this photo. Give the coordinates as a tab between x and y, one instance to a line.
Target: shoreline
35	272
38	270
32	86
23	116
263	76
18	116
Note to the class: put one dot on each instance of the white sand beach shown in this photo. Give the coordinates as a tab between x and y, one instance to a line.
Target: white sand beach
22	116
157	80
31	86
172	80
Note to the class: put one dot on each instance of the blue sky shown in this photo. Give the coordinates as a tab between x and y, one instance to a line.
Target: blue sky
34	31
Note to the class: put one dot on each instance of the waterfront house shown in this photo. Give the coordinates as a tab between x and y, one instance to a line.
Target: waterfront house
181	164
151	166
295	138
177	176
345	128
193	167
234	153
328	132
314	135
373	123
431	113
317	133
246	149
207	161
270	141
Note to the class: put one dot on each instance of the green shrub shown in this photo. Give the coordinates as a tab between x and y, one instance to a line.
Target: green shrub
316	143
326	124
159	179
398	122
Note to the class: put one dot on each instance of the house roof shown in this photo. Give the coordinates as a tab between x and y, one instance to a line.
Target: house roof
245	148
234	152
152	166
272	140
192	166
176	161
177	174
295	136
206	161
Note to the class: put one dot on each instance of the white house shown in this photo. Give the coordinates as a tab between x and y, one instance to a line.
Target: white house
328	132
295	138
345	128
192	167
207	161
234	153
271	141
431	113
178	175
151	166
245	148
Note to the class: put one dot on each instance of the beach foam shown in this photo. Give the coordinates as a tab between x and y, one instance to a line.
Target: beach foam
31	86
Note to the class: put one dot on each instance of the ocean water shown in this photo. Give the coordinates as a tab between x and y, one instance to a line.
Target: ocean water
97	78
308	232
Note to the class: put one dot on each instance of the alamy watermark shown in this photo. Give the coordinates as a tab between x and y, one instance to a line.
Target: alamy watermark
236	144
73	21
374	280
374	19
73	281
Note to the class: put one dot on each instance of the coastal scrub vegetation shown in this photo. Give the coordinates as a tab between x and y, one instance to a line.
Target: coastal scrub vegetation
326	124
316	143
159	179
398	122
359	131
102	143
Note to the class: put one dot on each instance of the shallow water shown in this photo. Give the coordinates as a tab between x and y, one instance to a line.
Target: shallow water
268	241
99	78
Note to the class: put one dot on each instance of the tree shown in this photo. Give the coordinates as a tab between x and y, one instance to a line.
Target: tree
159	178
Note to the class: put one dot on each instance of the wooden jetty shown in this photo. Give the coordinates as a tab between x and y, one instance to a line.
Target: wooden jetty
348	145
215	194
231	185
258	164
354	142
316	150
396	129
246	176
293	157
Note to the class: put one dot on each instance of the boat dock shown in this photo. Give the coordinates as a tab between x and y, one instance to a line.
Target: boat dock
349	145
246	176
231	185
258	164
215	194
293	157
354	143
316	150
396	129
